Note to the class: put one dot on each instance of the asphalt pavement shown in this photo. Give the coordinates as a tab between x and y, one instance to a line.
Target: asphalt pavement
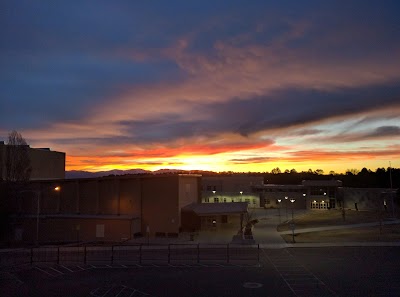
329	271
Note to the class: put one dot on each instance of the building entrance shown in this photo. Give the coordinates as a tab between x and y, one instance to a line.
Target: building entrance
320	204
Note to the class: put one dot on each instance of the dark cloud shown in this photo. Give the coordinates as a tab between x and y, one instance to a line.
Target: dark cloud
294	107
280	110
385	131
252	160
51	89
306	132
165	128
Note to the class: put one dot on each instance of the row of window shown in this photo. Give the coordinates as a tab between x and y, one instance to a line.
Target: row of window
217	200
319	205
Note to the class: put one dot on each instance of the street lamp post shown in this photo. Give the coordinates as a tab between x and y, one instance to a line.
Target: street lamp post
292	200
391	187
38	194
279	209
286	198
292	226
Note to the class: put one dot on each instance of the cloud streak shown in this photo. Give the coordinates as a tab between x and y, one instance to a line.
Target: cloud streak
223	83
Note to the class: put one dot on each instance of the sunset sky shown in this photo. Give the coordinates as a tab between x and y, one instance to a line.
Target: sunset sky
209	85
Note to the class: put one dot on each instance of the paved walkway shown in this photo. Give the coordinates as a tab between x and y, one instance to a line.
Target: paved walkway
349	226
264	232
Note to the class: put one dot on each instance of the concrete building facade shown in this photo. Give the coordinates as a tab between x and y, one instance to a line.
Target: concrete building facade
222	189
311	194
369	198
213	216
45	163
103	209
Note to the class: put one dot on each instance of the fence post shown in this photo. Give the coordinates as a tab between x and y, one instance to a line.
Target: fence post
84	255
198	253
227	253
31	256
169	253
58	255
140	254
112	254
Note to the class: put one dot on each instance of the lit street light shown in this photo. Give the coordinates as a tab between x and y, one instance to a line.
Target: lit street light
38	194
279	209
286	198
292	200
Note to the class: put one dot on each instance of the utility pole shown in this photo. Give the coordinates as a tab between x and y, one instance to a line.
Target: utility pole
391	187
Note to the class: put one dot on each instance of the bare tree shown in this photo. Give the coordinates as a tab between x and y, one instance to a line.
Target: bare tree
18	163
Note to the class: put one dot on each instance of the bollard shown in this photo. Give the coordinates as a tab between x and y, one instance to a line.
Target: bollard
227	253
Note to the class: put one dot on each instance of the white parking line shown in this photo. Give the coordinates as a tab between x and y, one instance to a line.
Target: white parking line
44	271
80	267
58	271
67	268
123	288
299	279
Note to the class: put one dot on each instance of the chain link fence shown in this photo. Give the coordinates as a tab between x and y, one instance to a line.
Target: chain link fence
134	254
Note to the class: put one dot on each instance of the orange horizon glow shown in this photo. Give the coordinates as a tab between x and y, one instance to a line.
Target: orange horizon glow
302	161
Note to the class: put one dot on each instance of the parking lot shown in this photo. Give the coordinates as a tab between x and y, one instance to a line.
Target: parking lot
338	271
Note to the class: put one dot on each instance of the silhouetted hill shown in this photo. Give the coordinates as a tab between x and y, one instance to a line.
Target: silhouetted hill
87	174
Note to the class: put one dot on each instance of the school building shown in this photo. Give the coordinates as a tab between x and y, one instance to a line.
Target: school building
113	208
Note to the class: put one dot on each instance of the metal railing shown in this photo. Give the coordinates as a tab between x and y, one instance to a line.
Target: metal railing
134	254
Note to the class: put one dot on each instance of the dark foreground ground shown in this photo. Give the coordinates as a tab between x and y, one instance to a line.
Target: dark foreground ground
338	271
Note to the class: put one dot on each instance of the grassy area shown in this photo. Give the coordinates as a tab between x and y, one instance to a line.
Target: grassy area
334	217
388	233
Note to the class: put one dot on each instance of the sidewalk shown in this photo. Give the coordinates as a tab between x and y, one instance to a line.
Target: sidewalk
328	228
329	244
264	231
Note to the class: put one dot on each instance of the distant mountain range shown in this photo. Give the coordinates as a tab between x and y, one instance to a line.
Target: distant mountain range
87	174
